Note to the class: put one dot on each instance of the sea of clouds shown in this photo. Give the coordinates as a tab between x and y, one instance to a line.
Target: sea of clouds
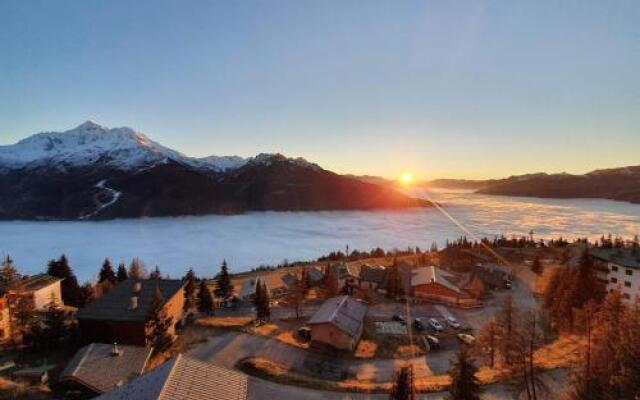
268	238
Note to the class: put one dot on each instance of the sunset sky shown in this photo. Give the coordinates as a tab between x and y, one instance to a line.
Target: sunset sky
461	89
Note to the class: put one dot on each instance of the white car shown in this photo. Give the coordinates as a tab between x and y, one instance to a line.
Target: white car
466	338
453	322
435	324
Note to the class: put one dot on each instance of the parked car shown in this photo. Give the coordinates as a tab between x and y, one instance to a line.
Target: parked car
399	318
433	341
435	325
453	322
419	325
466	338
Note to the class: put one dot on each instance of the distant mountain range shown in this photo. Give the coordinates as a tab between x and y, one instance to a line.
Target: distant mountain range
93	172
621	184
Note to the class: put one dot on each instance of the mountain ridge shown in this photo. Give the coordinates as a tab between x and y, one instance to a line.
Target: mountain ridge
93	172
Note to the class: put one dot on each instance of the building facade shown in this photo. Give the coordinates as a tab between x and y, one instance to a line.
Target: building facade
619	269
41	289
122	314
338	323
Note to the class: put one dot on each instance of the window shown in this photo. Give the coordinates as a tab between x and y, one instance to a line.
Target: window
627	284
614	268
626	296
614	280
629	272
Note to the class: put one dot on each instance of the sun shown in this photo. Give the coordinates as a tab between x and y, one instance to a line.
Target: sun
406	178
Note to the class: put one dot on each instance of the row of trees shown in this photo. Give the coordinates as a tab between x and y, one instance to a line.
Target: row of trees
569	290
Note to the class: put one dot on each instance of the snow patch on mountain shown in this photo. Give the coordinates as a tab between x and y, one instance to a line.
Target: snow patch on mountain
92	144
270	158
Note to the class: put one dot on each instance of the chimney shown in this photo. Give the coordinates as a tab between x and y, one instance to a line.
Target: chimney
134	302
115	352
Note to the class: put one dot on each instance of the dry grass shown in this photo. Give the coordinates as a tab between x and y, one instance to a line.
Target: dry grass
284	331
224	322
543	281
560	354
366	349
564	352
408	350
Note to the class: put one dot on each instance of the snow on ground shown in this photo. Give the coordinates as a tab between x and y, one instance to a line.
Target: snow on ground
252	239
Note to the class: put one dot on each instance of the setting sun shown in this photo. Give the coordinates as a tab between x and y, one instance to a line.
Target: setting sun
406	178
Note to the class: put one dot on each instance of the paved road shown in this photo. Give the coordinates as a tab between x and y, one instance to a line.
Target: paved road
230	347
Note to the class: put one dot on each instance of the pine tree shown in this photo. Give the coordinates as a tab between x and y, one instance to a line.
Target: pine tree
70	289
403	387
55	328
464	384
224	287
107	274
155	274
8	273
122	273
136	269
261	301
190	290
205	301
24	313
506	320
394	281
88	293
488	341
331	283
158	324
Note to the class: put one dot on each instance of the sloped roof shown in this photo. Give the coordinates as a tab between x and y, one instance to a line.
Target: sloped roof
184	378
315	274
344	312
249	286
376	274
35	282
343	270
96	367
116	304
623	257
289	279
431	274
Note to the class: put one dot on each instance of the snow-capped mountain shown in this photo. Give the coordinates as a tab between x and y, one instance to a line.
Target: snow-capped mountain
90	144
93	172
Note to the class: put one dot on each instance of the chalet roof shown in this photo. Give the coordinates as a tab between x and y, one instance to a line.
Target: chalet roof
35	282
431	274
116	304
344	312
289	279
376	274
343	270
98	368
183	378
315	274
249	287
624	257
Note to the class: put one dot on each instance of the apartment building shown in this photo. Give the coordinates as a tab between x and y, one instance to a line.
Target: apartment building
619	269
